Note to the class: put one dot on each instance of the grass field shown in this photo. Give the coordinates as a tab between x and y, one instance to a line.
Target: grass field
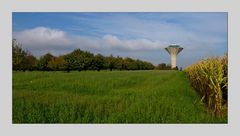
107	97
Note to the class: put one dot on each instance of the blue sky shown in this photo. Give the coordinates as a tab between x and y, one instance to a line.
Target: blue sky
141	35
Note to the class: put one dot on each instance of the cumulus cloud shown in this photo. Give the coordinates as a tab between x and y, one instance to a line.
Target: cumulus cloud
40	40
131	45
42	37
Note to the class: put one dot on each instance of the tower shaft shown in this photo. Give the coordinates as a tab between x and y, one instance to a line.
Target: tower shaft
173	60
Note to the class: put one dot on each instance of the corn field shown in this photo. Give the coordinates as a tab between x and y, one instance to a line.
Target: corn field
209	78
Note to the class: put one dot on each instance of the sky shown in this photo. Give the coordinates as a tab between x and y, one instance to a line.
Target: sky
139	35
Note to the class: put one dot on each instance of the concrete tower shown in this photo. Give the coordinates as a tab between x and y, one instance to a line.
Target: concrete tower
173	50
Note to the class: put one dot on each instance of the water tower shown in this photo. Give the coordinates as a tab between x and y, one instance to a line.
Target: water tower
173	50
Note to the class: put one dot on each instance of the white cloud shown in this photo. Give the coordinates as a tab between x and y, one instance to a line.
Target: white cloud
41	40
131	45
42	37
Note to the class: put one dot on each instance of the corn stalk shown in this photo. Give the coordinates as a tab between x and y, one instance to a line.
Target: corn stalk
208	77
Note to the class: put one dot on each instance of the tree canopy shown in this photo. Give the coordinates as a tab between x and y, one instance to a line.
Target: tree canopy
76	60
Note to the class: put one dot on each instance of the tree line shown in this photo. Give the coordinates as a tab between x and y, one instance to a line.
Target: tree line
76	60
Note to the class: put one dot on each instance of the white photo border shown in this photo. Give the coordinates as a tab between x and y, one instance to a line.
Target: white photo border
9	6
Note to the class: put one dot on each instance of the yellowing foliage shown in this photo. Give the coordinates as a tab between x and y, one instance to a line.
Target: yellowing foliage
209	78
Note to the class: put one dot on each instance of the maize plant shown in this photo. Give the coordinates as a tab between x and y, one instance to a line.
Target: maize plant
209	78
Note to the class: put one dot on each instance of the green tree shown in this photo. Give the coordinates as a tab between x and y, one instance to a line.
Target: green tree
30	62
140	64
18	55
111	62
168	67
21	59
69	62
78	60
44	61
162	66
119	63
98	62
130	64
148	65
87	60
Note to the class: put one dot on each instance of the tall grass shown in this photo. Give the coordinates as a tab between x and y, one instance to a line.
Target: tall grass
106	97
209	78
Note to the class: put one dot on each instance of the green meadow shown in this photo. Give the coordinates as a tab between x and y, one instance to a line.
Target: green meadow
150	96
